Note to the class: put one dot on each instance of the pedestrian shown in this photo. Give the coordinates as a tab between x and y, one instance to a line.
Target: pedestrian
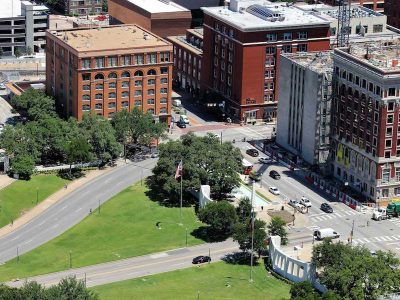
65	186
12	222
90	211
262	207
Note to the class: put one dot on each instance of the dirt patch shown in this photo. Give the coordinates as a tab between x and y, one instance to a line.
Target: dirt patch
283	214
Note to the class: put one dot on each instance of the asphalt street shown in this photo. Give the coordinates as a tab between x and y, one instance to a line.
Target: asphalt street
138	266
72	209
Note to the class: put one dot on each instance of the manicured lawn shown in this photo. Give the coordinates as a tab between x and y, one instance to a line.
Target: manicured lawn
21	195
124	228
215	281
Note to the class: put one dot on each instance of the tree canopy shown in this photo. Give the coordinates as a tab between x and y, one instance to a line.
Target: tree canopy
277	227
242	234
221	216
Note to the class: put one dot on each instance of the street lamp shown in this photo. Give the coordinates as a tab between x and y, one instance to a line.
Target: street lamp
37	195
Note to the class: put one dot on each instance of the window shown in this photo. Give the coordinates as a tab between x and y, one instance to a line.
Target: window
151	111
98	106
270	61
287	36
86	107
397	191
271	37
164	90
163	110
397	174
151	82
138	102
138	74
86	87
270	50
125	94
392	92
125	60
99	86
150	92
112	85
151	58
99	96
163	101
112	76
164	80
302	35
388	143
287	48
385	175
302	48
112	61
389	131
111	105
85	77
389	119
99	62
112	95
150	101
164	57
125	74
230	56
125	84
138	83
99	77
387	154
138	93
385	193
377	28
229	68
86	63
390	106
124	104
85	97
151	72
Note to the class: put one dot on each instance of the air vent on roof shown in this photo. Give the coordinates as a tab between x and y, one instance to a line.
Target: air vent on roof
265	13
165	1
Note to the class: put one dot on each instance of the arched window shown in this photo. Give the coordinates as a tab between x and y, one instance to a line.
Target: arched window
86	107
85	97
124	104
150	92
152	72
111	105
139	73
112	75
99	106
99	77
112	95
125	94
99	96
151	111
163	110
125	74
111	114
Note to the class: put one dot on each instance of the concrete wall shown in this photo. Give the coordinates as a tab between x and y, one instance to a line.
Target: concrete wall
204	195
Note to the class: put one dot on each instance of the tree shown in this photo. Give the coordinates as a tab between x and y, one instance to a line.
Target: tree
353	273
29	50
303	291
23	165
71	289
221	216
32	290
77	151
101	137
205	161
16	140
17	52
242	234
244	209
277	227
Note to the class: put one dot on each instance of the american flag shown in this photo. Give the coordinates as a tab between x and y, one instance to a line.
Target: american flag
178	172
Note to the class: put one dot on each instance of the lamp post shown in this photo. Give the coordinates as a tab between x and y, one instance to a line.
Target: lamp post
70	259
252	232
37	195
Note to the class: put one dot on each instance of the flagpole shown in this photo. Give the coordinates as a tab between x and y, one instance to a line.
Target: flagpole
180	210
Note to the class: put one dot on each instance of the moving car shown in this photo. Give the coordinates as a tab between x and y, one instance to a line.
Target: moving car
326	208
2	86
274	174
274	190
252	152
181	124
294	203
264	160
306	202
320	234
184	118
201	259
256	176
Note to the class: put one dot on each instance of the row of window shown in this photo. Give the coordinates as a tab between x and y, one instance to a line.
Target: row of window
124	84
151	101
86	107
189	56
286	36
124	60
368	86
138	93
126	74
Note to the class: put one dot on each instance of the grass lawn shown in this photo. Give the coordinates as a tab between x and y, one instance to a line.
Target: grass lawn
124	228
215	281
21	195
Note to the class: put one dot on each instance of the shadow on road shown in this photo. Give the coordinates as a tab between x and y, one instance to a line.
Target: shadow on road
208	235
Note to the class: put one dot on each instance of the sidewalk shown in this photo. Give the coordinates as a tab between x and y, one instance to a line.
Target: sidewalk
42	206
5	180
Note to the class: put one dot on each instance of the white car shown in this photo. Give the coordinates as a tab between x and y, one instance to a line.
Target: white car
306	202
274	190
184	118
294	203
264	160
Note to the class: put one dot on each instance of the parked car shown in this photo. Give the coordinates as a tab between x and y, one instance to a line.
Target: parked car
252	152
2	86
201	259
274	174
294	203
256	176
181	124
326	208
274	190
184	118
305	201
264	160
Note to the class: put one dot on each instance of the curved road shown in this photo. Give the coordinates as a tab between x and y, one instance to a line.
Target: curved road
72	209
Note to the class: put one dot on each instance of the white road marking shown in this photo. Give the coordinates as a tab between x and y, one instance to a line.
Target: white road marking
27	242
79	209
55	226
64	207
41	223
16	237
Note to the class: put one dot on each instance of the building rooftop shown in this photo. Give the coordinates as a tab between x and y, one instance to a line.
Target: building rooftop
320	62
199	32
332	12
182	41
109	38
158	6
384	58
10	8
258	15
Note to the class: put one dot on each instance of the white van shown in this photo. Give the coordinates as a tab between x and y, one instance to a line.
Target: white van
177	103
321	234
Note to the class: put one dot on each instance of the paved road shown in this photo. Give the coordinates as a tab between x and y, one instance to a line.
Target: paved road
72	209
137	266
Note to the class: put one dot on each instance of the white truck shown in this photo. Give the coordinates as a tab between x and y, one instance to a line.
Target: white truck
321	234
380	214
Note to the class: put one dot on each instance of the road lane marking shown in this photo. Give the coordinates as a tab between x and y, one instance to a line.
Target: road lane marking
41	223
79	209
16	237
64	207
27	242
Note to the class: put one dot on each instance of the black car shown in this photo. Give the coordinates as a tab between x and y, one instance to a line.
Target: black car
201	259
181	124
274	174
252	152
326	208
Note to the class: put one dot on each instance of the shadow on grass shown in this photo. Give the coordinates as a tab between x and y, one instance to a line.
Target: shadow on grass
75	174
208	235
240	258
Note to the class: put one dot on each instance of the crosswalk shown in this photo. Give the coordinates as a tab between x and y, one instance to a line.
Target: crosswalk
389	239
395	221
324	216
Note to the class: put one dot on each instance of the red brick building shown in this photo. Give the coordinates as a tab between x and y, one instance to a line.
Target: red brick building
108	69
241	52
376	5
188	54
366	120
392	10
163	18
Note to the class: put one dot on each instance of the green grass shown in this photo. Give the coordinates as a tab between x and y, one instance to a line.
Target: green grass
21	195
206	282
124	228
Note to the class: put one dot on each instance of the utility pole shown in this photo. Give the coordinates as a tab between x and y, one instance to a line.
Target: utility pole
180	209
221	137
17	254
70	259
252	231
351	234
99	207
37	195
